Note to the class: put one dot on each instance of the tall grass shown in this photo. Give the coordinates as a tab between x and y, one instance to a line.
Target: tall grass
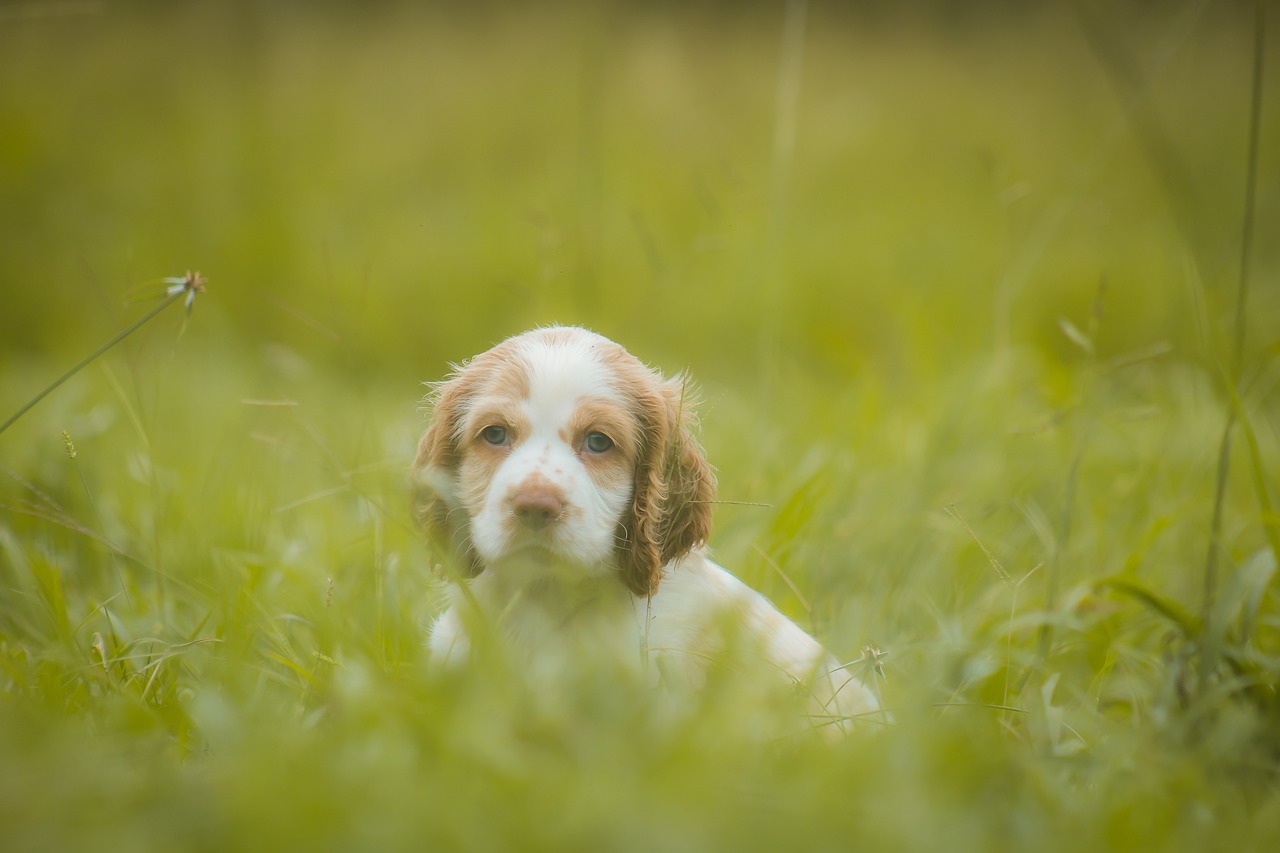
939	448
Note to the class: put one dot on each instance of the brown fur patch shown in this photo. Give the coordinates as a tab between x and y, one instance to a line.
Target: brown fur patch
496	374
670	512
602	415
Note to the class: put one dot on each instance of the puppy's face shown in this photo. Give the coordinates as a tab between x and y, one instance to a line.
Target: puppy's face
559	449
546	451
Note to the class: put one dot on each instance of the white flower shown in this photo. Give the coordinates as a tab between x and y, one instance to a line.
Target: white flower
191	283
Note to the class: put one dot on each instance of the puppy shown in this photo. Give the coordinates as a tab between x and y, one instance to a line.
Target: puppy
562	480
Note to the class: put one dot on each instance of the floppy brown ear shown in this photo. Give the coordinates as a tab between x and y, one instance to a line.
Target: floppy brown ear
670	511
433	485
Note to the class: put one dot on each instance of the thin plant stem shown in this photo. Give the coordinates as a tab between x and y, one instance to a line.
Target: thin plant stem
785	129
1240	328
1250	188
169	300
1058	551
73	455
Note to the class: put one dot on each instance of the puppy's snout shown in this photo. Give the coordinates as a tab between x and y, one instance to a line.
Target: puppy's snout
537	504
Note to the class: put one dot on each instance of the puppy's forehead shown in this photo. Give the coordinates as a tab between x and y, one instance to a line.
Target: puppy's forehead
561	369
554	367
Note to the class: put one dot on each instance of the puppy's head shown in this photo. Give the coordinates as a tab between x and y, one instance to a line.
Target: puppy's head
559	448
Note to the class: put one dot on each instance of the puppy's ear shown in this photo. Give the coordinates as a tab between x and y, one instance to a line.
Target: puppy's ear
670	511
691	483
433	482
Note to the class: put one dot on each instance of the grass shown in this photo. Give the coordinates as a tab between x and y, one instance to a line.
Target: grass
967	355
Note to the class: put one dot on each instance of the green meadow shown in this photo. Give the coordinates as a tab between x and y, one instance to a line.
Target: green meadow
984	308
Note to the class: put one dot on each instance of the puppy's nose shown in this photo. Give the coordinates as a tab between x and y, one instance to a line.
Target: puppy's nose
537	506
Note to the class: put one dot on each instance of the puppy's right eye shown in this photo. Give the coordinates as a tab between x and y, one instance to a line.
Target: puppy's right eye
495	435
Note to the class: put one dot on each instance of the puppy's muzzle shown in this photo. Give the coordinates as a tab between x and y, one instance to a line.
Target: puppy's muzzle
537	504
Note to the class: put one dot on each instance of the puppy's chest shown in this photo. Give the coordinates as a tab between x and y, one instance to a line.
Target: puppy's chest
585	621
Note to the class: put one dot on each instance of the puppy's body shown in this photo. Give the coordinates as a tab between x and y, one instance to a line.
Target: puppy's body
679	630
565	477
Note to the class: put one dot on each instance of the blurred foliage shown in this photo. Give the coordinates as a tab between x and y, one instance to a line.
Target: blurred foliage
958	282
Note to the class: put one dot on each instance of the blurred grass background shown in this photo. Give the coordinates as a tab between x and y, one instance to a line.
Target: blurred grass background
958	282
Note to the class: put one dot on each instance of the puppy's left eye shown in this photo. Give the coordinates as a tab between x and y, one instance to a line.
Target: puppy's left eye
598	442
